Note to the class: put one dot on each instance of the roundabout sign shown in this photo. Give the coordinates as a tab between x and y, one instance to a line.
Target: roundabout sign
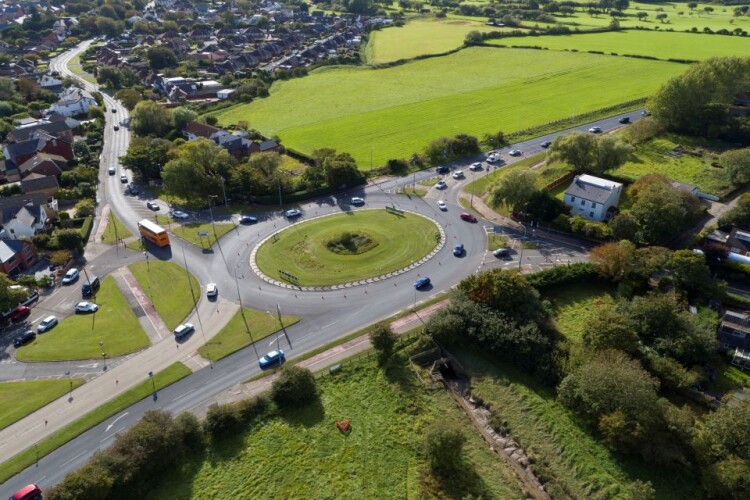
349	249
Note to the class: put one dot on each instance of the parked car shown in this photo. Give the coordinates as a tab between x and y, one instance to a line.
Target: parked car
515	152
441	185
111	170
152	206
421	283
357	201
23	338
86	307
624	120
212	290
248	219
90	287
468	217
183	330
47	324
292	213
71	276
271	358
458	174
442	169
178	214
493	158
546	144
442	205
595	130
476	166
501	253
458	250
124	179
20	314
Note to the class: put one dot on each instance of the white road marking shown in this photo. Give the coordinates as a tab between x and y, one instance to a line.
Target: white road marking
79	455
180	397
115	421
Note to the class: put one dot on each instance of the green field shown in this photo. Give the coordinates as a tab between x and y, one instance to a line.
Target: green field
234	337
662	45
393	112
168	289
577	304
303	455
19	399
302	251
115	230
78	337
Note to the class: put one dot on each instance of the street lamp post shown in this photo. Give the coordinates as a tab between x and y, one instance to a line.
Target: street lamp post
70	382
520	259
148	265
104	354
153	384
210	210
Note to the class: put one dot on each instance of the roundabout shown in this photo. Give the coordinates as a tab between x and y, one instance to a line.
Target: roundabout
347	249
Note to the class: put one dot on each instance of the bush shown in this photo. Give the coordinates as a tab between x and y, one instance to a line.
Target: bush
582	271
85	229
226	420
294	387
443	445
383	339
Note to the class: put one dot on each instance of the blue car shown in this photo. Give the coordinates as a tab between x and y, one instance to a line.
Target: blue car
421	283
248	219
272	358
458	250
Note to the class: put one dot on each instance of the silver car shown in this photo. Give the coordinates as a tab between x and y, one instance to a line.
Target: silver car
47	324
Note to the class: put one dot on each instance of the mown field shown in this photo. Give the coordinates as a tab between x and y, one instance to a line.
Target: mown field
394	112
662	45
303	455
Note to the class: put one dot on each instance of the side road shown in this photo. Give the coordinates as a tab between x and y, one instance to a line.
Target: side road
320	361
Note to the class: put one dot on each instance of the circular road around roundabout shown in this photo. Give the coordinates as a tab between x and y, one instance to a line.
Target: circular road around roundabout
366	280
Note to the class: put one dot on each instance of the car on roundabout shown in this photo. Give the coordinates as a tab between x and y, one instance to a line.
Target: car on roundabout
271	358
183	330
86	307
458	250
442	205
179	214
152	206
212	290
292	213
357	201
441	185
468	217
248	219
422	283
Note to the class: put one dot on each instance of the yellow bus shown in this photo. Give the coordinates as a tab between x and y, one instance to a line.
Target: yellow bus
153	233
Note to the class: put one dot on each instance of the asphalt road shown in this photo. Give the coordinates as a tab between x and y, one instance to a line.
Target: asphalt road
326	316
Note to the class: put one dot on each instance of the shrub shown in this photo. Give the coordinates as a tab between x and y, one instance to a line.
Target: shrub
443	445
582	271
383	339
294	387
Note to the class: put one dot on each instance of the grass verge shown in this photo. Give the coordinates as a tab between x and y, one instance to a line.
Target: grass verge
234	337
78	337
412	191
115	230
167	287
26	458
19	399
189	231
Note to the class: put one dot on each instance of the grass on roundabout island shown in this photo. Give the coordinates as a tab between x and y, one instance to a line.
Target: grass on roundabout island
318	252
21	398
166	285
78	337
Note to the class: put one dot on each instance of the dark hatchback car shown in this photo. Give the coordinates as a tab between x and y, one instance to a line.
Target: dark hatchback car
248	219
24	338
625	119
421	283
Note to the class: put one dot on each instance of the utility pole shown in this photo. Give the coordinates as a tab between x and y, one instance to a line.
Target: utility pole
281	203
244	319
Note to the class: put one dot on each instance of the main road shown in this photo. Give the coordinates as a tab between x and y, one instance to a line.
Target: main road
326	315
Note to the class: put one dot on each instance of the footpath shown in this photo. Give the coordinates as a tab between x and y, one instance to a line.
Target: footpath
320	361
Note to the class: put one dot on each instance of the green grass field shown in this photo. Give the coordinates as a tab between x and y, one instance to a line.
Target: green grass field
650	158
167	286
234	337
301	249
572	461
394	112
577	304
115	230
303	455
19	399
662	45
168	376
78	336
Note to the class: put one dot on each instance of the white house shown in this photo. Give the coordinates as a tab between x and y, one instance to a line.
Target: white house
74	101
28	221
593	197
49	82
225	93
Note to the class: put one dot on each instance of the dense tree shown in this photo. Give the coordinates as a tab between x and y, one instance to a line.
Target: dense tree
624	226
662	211
116	78
160	58
341	171
514	189
67	239
383	340
610	329
739	215
588	152
613	260
129	98
494	141
448	149
150	118
737	165
182	116
691	273
295	386
504	292
542	206
147	156
9	298
197	169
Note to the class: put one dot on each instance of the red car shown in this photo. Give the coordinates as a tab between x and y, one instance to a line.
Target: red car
30	492
20	314
468	217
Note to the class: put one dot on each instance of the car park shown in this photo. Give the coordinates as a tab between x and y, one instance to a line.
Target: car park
546	144
442	169
111	171
501	253
468	217
183	330
458	250
442	205
441	185
212	290
124	179
178	214
595	130
357	201
248	219
458	174
624	120
421	283
152	206
86	307
71	276
291	213
476	166
271	358
515	152
47	324
20	314
24	338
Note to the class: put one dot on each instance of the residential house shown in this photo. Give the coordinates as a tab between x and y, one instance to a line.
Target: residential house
10	205
194	129
49	82
39	142
39	183
74	101
739	241
225	93
592	197
58	128
29	220
44	164
16	256
734	331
